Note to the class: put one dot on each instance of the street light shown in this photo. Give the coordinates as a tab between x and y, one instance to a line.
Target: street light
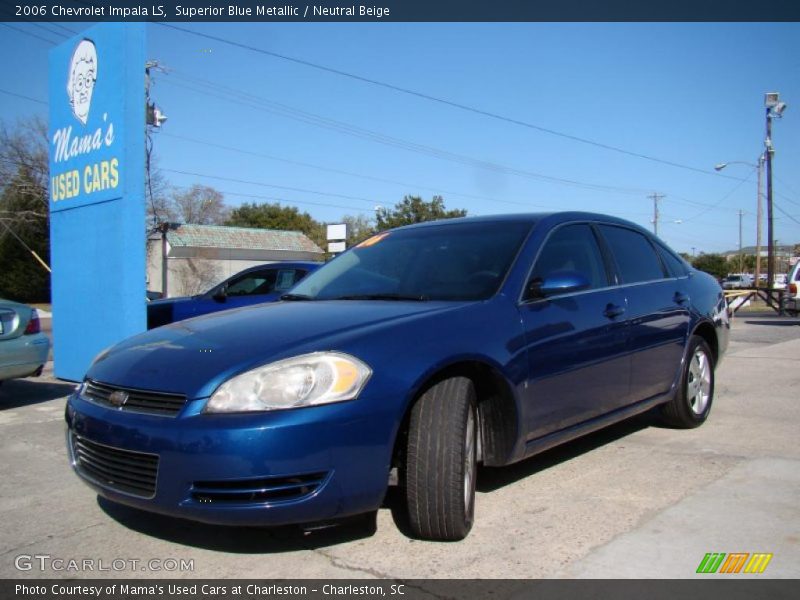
759	213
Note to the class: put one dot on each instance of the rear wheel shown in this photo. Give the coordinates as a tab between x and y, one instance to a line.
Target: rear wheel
441	461
692	402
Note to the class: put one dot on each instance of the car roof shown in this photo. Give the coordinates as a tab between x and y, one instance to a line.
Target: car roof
283	264
552	218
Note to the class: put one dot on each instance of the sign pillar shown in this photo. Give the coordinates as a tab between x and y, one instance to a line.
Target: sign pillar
97	208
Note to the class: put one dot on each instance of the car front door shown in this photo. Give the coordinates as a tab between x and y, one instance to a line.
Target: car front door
577	362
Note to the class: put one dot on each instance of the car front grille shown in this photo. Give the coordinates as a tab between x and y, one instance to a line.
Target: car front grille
142	401
125	471
264	490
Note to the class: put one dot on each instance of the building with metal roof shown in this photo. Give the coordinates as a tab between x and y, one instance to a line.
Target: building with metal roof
200	256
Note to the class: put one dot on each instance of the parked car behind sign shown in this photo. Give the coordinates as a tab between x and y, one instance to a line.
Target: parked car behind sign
23	347
420	353
264	283
737	281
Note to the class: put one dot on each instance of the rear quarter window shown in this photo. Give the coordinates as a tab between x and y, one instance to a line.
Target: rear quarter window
675	266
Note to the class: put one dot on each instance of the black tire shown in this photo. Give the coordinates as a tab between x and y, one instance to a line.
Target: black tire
692	401
441	461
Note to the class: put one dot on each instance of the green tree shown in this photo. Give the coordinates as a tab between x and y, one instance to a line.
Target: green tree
24	212
714	264
275	216
359	228
413	209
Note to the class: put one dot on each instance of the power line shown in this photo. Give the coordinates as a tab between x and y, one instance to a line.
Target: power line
350	173
271	185
259	103
44	27
785	213
283	200
21	95
721	200
439	100
33	35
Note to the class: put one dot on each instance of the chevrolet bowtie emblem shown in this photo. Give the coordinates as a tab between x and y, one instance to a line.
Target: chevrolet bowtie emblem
118	398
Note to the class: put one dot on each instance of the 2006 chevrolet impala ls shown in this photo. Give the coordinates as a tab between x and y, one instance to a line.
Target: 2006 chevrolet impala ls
418	354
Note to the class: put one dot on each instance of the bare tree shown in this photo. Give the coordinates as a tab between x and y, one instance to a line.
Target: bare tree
196	276
24	171
199	205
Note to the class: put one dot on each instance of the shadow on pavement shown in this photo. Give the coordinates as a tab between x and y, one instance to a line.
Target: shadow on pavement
15	393
241	540
783	322
266	540
492	478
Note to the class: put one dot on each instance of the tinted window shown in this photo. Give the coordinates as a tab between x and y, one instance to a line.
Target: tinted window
572	248
635	256
287	278
675	265
458	261
255	283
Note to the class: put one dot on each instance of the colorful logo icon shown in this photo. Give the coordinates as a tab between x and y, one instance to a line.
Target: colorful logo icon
735	562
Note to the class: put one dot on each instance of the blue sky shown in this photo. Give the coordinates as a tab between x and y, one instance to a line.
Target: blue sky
685	93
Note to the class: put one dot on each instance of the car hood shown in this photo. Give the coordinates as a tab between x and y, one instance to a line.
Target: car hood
194	356
170	301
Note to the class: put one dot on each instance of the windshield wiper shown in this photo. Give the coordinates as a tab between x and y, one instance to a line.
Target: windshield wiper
420	298
296	297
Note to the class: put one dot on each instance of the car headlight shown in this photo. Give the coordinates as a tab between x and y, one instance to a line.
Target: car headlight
307	380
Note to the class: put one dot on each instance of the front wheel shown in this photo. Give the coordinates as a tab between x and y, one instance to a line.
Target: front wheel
692	402
441	460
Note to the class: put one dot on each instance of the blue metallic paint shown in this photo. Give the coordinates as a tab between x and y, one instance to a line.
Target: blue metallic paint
564	364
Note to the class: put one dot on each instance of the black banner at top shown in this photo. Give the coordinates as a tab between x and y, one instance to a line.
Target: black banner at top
400	10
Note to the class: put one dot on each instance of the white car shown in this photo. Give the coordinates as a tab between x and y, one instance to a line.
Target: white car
737	281
791	303
23	347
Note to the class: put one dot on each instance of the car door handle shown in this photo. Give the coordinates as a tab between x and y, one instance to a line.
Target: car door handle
680	298
613	311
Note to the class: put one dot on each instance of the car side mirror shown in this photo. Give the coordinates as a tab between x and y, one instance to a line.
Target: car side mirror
558	282
221	294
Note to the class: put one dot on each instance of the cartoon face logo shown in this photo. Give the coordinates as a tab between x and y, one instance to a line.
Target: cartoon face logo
81	79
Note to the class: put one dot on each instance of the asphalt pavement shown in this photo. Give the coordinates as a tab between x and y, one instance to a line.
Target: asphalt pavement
635	500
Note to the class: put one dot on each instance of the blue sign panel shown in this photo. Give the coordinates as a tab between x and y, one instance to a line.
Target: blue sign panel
97	214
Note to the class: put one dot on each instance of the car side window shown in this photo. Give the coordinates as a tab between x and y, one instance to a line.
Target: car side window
675	265
572	248
634	254
255	283
287	278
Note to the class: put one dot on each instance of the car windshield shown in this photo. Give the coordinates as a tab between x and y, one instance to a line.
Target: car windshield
455	261
734	278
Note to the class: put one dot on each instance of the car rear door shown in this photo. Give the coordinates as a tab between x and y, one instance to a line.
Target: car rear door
658	309
577	362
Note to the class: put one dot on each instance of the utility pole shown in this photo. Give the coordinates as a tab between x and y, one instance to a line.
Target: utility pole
655	197
759	219
164	227
741	256
774	108
770	233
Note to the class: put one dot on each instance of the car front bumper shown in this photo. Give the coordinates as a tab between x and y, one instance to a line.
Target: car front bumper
273	468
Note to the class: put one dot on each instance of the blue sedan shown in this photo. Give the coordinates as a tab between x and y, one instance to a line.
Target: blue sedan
263	283
411	358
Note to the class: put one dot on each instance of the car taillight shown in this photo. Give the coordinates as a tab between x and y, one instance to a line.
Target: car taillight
33	325
793	289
